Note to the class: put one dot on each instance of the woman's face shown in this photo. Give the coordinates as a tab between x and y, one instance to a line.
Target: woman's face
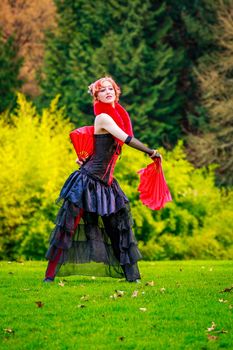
106	93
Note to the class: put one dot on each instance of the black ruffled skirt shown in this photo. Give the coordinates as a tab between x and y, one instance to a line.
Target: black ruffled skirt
102	243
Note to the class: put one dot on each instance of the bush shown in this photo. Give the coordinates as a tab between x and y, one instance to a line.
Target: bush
197	224
36	157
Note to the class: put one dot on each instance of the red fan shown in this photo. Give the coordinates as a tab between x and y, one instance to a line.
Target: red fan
154	192
83	141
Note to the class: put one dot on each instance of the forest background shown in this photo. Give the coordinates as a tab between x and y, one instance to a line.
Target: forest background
173	61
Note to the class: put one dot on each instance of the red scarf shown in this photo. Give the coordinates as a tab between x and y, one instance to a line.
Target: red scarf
118	114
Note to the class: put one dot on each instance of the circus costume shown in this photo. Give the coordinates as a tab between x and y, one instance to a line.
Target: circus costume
93	233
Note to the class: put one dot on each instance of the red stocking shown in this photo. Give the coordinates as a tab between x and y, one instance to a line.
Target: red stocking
51	269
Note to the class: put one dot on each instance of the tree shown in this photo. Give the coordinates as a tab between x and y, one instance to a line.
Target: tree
142	47
148	67
26	21
192	31
9	72
214	144
69	52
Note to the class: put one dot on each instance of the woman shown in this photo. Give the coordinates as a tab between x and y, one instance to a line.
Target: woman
93	234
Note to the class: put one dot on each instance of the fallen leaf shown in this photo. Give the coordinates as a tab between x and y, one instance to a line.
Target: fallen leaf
221	331
135	294
212	337
223	301
39	303
150	283
213	326
162	290
121	338
61	284
119	293
9	330
85	298
114	296
226	290
143	309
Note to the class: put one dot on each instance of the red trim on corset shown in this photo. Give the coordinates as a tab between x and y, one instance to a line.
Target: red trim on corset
111	164
114	159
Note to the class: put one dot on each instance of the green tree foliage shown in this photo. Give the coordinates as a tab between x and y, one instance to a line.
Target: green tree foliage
148	67
9	72
36	158
145	46
192	31
69	54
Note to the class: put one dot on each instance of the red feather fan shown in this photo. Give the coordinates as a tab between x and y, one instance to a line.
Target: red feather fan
83	141
154	192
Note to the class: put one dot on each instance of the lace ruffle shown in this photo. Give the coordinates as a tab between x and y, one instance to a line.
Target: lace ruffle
103	236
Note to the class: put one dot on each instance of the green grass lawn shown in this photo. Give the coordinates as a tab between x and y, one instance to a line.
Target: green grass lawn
86	312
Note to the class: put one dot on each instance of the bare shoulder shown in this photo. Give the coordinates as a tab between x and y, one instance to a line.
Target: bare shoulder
101	123
103	118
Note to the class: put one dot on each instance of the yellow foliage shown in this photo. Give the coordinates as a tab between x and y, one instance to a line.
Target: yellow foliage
198	209
35	158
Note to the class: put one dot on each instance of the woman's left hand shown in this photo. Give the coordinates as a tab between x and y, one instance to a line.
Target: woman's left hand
79	162
156	154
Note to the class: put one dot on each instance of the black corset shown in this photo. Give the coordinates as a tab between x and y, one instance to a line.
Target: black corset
101	163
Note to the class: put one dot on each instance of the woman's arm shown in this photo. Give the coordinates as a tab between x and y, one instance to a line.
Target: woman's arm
105	122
